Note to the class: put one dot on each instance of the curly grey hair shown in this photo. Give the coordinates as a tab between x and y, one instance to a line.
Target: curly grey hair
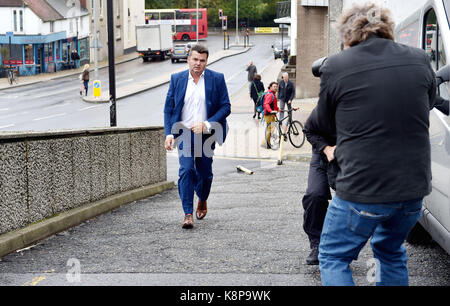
362	21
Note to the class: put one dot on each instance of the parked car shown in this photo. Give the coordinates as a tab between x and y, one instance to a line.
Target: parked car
429	28
180	52
278	47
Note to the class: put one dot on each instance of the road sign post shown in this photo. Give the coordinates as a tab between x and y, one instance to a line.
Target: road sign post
97	89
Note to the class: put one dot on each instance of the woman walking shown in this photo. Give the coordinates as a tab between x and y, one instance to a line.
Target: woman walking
256	90
85	78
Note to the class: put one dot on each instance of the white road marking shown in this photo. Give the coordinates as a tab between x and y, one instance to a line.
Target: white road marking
233	76
50	117
55	106
6	126
90	107
4	109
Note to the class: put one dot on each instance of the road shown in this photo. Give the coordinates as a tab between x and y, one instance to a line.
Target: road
56	104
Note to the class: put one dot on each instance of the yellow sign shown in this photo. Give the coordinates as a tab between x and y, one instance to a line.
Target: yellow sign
97	89
267	30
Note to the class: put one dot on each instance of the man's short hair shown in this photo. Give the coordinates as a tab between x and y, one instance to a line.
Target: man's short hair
360	22
201	49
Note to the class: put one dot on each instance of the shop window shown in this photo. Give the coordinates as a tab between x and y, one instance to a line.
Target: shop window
29	55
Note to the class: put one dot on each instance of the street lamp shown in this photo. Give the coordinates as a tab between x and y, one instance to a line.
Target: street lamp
197	22
112	72
237	21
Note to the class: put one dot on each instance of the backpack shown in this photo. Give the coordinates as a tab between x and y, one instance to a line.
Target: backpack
260	102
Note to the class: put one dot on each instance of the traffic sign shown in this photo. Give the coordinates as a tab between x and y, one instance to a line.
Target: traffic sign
9	34
97	89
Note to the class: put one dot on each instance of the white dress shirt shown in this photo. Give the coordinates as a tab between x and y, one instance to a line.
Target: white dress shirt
194	109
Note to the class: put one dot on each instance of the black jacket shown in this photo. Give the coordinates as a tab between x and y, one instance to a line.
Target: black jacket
376	98
256	85
286	92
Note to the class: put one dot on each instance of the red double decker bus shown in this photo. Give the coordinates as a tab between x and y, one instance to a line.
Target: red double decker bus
183	21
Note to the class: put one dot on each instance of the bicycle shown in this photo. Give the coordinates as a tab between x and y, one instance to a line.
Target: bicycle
11	74
293	130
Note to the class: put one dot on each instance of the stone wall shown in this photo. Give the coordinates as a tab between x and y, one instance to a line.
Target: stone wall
43	174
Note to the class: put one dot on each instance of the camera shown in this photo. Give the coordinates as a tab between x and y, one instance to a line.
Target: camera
317	65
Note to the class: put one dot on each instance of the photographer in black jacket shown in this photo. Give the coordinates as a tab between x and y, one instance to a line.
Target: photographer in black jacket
375	97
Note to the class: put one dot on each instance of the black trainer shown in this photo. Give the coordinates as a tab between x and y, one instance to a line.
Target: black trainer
313	258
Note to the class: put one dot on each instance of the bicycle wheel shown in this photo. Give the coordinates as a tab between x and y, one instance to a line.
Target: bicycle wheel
274	141
296	135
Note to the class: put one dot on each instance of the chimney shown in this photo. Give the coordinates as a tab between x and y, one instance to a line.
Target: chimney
83	4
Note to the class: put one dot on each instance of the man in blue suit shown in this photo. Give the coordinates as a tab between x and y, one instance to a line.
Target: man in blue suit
195	113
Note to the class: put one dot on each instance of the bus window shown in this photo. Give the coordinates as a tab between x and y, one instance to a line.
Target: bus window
194	15
152	16
182	15
167	16
183	28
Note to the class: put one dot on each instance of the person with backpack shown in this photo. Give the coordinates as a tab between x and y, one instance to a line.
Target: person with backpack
271	109
256	91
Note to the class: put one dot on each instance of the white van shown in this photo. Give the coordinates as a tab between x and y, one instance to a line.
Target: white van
429	29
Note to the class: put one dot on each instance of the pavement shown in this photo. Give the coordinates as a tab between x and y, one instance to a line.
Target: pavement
252	236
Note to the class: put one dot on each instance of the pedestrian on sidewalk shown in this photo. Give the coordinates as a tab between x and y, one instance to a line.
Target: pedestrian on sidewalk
256	90
85	78
270	110
384	170
251	68
286	93
195	112
285	56
75	57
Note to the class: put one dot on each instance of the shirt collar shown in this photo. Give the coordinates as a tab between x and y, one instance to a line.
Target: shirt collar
191	77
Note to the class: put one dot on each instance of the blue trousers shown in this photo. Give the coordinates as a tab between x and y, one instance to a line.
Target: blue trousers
195	175
347	228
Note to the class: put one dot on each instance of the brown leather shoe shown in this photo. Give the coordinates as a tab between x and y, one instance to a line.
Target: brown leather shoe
202	209
188	222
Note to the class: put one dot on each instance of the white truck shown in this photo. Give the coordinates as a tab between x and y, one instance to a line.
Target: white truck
154	41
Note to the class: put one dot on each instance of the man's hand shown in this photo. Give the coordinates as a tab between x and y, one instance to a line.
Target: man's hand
170	143
199	128
329	152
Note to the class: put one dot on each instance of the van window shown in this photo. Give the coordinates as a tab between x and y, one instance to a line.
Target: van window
409	35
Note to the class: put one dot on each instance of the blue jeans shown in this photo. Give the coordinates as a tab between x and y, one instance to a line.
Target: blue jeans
347	228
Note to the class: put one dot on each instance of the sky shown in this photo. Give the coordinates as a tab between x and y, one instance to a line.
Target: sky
400	9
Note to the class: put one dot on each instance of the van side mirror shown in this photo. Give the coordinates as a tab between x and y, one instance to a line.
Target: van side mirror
317	65
443	75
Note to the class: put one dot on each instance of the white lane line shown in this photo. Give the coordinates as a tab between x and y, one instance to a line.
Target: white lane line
6	126
4	109
233	76
50	117
55	106
90	107
124	81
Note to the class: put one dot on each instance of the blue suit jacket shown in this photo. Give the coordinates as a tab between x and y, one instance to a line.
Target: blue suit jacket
218	105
